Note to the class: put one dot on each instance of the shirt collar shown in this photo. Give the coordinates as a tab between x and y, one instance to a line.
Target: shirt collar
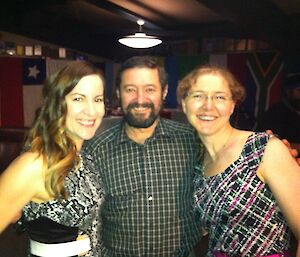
160	130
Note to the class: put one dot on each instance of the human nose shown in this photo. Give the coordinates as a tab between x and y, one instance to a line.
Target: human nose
208	101
90	108
140	96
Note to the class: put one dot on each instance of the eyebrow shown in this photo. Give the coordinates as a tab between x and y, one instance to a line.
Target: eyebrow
135	85
84	94
215	92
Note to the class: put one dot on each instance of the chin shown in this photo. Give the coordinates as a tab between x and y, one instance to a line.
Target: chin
88	135
205	131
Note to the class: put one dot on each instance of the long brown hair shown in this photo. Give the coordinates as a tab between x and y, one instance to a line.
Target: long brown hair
48	136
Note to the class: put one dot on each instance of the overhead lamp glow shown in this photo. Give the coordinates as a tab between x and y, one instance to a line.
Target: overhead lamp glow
140	39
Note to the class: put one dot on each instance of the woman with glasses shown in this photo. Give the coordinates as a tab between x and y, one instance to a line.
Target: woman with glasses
247	185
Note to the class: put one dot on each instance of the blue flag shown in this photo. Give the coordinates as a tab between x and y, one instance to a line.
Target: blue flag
34	71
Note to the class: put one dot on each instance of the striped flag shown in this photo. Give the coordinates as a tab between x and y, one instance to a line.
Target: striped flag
34	74
264	80
11	102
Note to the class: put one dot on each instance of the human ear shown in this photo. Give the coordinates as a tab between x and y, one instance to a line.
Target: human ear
232	109
165	92
183	105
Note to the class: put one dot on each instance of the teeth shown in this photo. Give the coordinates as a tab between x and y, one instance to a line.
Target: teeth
140	108
209	118
87	123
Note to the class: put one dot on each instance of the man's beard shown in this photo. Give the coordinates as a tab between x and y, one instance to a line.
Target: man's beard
138	121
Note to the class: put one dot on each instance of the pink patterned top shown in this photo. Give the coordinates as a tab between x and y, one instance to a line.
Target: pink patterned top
238	210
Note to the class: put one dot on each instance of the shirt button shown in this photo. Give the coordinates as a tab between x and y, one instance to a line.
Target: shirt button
150	198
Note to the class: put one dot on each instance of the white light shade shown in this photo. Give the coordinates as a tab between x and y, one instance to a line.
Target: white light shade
140	40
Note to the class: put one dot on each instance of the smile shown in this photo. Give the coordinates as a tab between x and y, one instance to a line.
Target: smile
206	117
140	109
87	122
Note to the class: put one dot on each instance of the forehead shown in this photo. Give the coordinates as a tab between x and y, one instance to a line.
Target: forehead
88	84
210	82
140	76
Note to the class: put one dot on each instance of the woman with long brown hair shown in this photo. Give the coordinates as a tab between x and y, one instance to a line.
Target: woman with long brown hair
54	184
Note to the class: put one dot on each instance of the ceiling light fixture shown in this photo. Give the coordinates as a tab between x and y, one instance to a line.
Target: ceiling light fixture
140	39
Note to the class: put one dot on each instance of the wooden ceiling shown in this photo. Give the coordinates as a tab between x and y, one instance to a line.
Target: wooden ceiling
93	26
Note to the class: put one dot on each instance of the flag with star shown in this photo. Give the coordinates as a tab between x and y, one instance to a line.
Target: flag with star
34	75
34	71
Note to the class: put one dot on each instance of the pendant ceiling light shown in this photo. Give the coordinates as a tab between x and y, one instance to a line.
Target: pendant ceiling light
140	39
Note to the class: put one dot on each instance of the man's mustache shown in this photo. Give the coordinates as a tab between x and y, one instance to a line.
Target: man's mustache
137	105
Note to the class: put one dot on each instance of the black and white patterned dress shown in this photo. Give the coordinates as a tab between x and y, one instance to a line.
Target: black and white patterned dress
59	221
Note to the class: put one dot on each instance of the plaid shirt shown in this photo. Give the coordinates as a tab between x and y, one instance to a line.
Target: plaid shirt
147	209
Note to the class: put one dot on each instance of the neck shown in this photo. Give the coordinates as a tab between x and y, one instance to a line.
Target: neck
78	144
140	135
216	143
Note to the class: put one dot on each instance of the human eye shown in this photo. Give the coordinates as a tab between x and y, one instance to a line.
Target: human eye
150	90
220	98
130	90
77	99
99	100
198	96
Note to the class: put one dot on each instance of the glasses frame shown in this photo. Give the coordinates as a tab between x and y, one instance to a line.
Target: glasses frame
217	98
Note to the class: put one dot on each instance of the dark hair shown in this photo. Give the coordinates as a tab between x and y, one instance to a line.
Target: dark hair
143	62
237	90
48	136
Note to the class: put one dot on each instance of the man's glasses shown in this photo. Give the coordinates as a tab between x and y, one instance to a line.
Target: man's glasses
200	97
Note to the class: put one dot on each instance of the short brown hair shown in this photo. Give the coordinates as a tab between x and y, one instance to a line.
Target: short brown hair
237	90
143	62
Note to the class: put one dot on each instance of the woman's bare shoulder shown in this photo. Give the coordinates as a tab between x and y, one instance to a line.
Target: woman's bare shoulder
30	163
241	136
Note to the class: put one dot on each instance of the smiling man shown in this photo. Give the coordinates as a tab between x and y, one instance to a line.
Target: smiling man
141	96
146	165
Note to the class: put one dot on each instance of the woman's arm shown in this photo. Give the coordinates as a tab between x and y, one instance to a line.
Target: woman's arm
294	148
282	173
19	183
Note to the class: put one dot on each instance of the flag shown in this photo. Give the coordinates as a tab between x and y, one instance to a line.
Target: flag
264	79
34	71
177	67
172	69
11	102
34	75
53	65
